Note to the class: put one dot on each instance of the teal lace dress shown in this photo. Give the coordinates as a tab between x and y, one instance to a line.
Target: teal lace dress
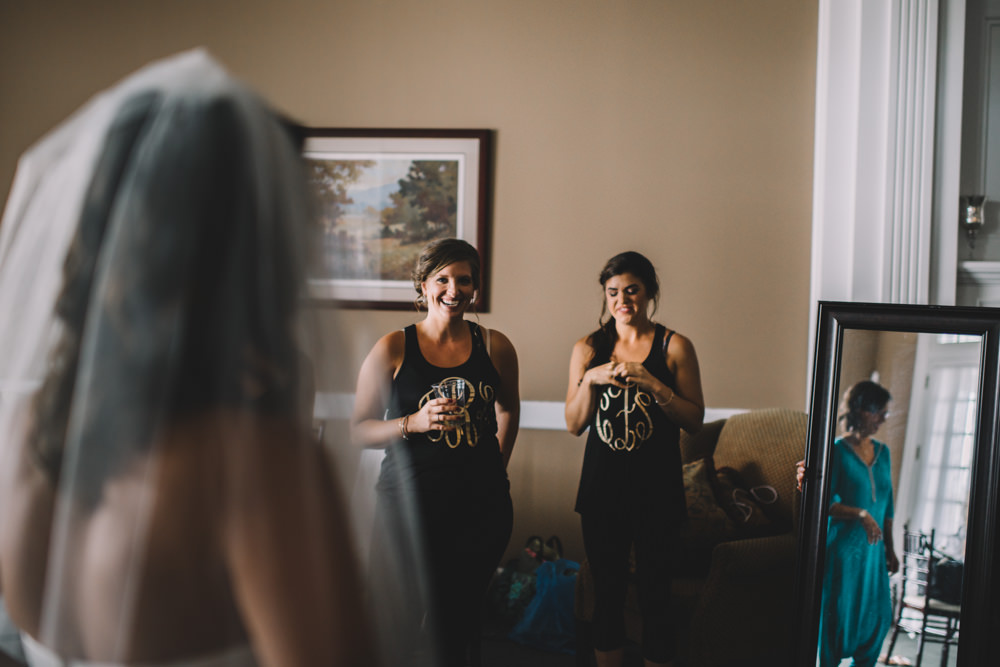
857	606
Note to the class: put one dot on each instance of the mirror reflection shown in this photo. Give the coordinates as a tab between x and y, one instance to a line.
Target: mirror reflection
899	470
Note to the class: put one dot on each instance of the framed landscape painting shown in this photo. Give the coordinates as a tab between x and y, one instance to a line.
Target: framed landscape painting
381	196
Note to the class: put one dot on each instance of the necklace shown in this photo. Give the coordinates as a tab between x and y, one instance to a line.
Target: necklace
866	454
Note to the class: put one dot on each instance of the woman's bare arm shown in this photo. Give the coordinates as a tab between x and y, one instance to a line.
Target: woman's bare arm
371	397
368	427
892	561
860	514
687	409
288	549
581	394
508	399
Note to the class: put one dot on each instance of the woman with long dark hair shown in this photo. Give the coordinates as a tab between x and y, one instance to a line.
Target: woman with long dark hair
635	383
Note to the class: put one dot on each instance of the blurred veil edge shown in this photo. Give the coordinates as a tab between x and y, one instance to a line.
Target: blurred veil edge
44	207
40	218
174	323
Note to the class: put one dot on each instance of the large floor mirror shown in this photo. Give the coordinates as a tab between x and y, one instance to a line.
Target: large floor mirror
901	474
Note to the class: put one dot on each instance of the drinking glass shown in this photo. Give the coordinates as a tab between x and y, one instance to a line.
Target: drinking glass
454	388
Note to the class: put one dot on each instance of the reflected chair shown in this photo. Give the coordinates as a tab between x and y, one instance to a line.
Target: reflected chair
916	612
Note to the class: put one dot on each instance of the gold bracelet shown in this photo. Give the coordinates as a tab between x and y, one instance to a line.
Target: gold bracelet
666	402
402	427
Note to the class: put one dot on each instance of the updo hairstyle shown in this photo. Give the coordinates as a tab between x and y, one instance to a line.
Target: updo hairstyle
865	396
439	254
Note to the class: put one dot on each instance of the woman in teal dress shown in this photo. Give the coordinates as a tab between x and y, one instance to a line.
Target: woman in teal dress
857	606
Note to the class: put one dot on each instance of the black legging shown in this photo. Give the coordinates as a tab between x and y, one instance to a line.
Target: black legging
464	539
465	542
608	538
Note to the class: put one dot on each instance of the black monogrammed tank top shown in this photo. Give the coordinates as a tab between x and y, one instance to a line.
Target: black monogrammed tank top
633	454
465	460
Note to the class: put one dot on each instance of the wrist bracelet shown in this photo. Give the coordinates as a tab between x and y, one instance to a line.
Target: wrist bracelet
666	402
402	427
862	514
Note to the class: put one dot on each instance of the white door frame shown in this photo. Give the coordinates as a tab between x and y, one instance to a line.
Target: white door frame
889	80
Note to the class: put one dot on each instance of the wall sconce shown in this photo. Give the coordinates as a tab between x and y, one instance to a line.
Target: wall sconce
972	216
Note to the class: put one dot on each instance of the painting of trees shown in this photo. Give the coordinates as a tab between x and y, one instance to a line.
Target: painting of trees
380	196
426	205
330	180
371	227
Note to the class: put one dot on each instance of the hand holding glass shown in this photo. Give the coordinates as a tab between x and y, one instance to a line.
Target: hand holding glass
453	388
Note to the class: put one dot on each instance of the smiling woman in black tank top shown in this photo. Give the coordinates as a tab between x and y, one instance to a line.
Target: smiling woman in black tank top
635	384
447	458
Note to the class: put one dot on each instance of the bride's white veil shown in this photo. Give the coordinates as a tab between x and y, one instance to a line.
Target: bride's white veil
156	358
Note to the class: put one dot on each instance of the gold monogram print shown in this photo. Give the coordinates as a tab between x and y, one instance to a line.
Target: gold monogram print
633	419
478	400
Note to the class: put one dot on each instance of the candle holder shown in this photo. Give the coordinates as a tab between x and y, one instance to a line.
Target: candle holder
971	219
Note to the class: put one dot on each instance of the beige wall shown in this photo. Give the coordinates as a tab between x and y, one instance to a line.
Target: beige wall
681	129
892	355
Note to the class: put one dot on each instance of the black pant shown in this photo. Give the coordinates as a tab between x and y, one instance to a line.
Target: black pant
463	539
608	537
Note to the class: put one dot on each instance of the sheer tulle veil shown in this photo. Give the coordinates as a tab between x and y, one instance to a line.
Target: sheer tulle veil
152	314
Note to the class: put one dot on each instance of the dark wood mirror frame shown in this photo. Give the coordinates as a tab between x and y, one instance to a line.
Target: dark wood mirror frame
980	595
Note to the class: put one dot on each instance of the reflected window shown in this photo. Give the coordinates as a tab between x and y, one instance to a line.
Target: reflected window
943	463
950	339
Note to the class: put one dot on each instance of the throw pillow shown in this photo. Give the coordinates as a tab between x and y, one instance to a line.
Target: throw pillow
708	524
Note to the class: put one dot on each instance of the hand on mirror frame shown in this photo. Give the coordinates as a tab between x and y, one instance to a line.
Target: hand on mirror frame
800	474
